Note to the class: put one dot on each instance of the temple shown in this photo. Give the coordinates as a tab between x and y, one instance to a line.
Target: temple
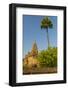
30	59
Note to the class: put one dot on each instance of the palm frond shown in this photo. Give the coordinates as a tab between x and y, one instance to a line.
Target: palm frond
46	23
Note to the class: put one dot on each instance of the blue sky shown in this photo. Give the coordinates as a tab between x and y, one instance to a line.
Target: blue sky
33	32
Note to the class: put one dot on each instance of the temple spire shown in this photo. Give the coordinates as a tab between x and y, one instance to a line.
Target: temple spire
34	50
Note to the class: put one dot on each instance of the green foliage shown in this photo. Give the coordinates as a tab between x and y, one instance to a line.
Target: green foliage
46	23
48	58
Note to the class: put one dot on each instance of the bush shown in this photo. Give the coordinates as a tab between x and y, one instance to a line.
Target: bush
48	58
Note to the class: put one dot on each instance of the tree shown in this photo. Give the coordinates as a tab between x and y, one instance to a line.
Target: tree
45	24
48	58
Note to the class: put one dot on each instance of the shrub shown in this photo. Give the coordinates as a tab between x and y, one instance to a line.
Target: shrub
48	58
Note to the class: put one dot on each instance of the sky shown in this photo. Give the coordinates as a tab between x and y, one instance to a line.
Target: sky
32	32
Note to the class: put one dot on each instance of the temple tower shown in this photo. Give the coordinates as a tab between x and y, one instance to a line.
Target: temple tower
34	51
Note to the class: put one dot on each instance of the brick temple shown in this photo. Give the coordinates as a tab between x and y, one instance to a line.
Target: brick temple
30	59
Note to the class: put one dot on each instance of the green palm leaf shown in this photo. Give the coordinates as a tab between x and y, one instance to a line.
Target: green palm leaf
45	24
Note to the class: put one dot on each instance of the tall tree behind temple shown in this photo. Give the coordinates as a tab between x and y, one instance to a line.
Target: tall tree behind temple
45	24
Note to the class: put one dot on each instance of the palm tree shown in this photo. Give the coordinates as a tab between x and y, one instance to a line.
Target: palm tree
45	24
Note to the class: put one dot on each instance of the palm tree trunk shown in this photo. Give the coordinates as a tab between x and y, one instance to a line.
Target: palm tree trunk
48	38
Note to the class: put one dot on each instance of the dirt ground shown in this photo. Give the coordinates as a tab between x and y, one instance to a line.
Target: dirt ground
44	70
